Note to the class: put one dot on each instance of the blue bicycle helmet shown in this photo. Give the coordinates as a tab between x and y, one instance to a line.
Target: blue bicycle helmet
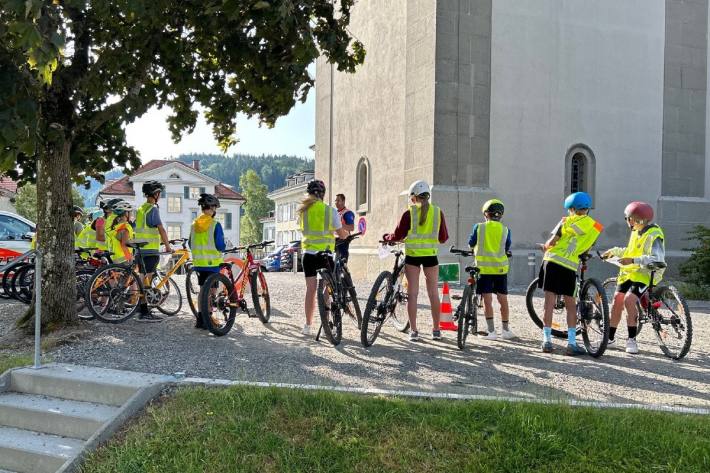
578	201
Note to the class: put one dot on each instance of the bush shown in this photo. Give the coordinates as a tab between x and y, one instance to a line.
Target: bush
696	270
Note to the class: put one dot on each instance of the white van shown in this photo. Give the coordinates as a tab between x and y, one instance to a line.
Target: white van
15	232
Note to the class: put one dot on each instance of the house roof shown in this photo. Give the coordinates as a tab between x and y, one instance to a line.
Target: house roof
8	184
123	186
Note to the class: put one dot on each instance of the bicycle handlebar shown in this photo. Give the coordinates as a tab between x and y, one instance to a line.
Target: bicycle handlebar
458	251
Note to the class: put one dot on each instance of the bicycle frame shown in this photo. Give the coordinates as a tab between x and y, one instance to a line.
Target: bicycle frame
242	279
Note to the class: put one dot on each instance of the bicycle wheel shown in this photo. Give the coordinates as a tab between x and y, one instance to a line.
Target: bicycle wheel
114	293
673	325
593	314
330	315
399	318
352	306
260	296
535	302
610	290
7	280
23	282
376	309
83	276
218	301
170	295
192	290
467	314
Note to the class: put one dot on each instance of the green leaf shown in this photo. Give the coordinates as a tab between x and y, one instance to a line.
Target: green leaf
261	5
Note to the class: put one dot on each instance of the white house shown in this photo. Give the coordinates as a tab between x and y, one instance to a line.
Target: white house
178	205
268	227
286	201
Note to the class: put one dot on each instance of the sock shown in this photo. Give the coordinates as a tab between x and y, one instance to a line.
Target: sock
491	325
547	334
506	325
571	336
632	331
612	333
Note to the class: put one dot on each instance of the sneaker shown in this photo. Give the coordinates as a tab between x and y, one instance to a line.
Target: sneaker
149	317
612	343
547	347
507	335
414	336
306	330
491	336
436	334
575	350
631	346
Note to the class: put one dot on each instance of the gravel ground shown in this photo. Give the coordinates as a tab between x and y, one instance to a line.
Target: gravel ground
277	352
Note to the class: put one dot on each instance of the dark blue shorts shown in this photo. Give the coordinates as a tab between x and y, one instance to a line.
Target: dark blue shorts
492	284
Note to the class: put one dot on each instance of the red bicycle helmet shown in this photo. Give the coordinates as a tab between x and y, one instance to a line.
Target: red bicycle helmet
639	210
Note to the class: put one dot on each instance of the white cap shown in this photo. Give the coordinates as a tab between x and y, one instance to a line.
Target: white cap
417	188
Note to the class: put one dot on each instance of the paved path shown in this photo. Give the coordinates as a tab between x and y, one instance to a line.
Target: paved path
277	352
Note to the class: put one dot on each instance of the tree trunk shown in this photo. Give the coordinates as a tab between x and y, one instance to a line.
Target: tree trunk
55	239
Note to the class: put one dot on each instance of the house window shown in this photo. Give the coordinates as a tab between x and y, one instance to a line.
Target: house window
228	221
174	231
293	207
362	189
219	217
580	166
174	204
193	193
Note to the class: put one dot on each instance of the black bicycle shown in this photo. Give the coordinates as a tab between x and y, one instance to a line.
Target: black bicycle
336	295
465	315
667	311
387	295
592	310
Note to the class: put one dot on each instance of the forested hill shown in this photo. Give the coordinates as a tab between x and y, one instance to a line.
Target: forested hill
272	169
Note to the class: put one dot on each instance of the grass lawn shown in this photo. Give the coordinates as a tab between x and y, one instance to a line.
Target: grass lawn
277	430
13	361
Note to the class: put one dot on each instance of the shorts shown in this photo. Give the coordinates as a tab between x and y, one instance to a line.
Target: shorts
492	284
425	261
203	275
637	288
557	279
313	263
150	262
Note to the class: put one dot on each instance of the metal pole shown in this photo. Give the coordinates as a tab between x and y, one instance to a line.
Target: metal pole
532	263
38	305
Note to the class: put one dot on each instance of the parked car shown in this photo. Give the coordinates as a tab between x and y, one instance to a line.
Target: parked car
287	255
272	261
15	234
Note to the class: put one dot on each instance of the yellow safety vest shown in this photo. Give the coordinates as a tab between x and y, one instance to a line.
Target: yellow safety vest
33	242
143	231
423	240
204	250
317	225
640	244
118	255
579	233
490	248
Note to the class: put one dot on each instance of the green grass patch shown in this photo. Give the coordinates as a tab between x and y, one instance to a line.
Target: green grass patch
13	361
694	292
277	430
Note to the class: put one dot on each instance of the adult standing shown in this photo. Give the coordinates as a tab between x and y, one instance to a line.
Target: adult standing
319	222
422	228
347	220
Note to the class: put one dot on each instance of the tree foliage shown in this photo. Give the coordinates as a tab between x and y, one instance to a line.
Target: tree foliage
696	269
256	207
26	201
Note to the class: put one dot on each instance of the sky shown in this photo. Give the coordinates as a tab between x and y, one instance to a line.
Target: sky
292	135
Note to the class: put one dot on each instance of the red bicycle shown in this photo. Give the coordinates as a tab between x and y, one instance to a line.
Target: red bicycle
223	292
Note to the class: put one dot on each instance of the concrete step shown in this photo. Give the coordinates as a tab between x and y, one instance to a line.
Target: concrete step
25	451
52	415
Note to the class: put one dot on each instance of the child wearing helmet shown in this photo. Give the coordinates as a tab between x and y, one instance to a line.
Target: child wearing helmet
121	233
207	244
573	236
422	228
645	247
77	214
491	241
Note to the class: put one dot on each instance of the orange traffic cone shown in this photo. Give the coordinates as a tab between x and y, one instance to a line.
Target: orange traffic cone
447	320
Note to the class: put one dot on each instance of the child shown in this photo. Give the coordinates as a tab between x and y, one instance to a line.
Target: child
121	233
207	244
573	236
491	242
645	247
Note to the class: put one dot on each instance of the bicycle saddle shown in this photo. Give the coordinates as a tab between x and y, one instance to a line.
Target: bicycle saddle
656	266
137	244
472	269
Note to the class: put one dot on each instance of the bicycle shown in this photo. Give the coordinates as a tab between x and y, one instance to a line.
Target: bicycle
223	293
592	310
335	287
386	296
9	270
114	291
466	316
662	306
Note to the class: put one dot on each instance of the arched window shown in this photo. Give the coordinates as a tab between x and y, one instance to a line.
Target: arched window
362	192
580	165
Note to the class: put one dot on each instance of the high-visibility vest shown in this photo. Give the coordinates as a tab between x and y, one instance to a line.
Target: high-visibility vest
423	240
490	248
204	250
579	233
317	224
33	242
143	231
640	244
118	254
84	239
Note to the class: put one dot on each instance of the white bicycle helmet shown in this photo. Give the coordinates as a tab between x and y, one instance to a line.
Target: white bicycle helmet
122	207
418	188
